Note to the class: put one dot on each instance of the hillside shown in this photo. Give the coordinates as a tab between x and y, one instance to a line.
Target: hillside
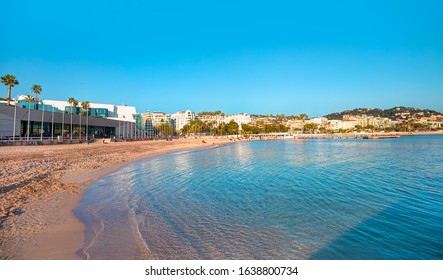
393	113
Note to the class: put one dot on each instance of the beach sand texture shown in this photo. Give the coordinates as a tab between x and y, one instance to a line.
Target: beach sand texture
40	185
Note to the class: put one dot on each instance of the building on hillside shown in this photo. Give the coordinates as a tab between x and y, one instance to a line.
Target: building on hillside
296	124
320	121
434	122
379	122
342	124
364	121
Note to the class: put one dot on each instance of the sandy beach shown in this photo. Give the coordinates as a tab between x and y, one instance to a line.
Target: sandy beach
40	185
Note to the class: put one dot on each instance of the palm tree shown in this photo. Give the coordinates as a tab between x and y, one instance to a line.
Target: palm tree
9	81
304	116
73	103
37	90
85	106
29	99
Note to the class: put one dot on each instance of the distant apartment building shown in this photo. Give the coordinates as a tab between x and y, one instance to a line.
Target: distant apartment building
364	121
433	122
159	118
342	124
215	119
380	122
263	119
241	118
296	124
182	118
320	121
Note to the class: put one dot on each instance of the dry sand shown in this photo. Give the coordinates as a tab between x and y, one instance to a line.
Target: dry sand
40	185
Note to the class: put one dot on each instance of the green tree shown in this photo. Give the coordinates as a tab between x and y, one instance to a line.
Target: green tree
10	81
222	128
37	90
166	129
209	113
310	127
85	106
370	127
29	99
280	117
232	127
74	104
303	116
212	126
197	126
185	129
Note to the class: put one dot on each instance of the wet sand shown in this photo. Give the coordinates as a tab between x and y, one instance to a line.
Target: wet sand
40	185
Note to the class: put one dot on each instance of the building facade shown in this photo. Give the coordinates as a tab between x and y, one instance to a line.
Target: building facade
23	123
51	118
182	118
100	110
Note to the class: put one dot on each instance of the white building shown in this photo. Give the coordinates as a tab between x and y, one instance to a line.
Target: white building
159	118
296	124
215	119
365	121
182	118
320	121
110	111
345	124
241	118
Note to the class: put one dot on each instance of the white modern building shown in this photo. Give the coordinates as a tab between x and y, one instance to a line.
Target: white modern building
241	118
110	111
182	118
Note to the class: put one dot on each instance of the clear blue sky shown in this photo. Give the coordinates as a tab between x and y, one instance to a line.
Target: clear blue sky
261	57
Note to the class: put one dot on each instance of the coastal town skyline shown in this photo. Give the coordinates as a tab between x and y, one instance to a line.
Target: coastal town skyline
281	59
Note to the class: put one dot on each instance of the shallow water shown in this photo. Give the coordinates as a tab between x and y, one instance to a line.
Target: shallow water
283	199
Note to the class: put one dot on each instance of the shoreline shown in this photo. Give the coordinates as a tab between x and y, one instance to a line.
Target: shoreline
46	227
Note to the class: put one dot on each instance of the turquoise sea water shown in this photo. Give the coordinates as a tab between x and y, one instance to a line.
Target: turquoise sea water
283	199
